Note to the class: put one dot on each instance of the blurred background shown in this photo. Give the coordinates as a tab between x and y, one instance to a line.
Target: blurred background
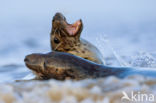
124	31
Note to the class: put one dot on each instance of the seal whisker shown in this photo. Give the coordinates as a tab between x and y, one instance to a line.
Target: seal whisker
55	30
57	46
63	31
59	34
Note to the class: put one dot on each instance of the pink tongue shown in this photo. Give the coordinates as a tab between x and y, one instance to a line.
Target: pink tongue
71	30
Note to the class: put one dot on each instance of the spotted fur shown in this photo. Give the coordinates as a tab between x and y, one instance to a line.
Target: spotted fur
72	44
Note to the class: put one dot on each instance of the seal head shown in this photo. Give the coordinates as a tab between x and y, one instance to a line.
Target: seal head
63	34
57	65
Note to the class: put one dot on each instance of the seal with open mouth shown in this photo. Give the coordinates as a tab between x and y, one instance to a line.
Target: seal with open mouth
66	38
61	66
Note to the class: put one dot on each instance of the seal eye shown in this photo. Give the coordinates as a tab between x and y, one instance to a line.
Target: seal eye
56	40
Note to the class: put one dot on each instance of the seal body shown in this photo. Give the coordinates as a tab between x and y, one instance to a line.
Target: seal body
66	38
61	66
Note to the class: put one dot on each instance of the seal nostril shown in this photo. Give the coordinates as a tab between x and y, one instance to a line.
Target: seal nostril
26	60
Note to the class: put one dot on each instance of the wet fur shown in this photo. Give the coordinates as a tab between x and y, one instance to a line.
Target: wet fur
61	66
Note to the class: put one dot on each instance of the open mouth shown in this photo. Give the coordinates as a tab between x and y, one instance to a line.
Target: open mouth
71	29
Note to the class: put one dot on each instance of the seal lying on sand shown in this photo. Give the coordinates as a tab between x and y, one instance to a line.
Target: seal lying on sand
66	38
60	66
